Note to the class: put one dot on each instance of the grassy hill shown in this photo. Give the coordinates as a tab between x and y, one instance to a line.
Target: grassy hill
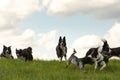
54	70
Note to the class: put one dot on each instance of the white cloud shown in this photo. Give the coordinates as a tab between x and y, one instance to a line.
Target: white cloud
45	4
101	8
47	40
24	39
86	42
12	11
113	35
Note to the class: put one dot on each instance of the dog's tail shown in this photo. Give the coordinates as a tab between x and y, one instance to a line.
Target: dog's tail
74	51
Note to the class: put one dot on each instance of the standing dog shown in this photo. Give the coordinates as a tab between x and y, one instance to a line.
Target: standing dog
61	48
80	62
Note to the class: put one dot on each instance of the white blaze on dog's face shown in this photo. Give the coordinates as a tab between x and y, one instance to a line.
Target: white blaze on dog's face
7	51
90	56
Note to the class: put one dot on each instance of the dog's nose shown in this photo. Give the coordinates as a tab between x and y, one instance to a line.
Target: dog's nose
7	51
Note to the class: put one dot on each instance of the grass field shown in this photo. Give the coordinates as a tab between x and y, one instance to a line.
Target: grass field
54	70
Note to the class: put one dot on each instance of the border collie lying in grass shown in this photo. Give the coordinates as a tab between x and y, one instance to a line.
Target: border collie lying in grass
7	53
80	62
25	54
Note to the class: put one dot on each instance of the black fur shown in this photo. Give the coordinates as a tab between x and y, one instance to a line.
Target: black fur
61	48
93	52
25	54
105	50
115	52
7	53
100	55
110	51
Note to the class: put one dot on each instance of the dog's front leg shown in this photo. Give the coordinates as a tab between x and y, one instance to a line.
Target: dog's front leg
81	66
65	57
83	69
103	65
60	59
68	63
96	64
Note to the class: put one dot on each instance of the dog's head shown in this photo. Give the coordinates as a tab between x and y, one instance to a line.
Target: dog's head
62	42
18	52
29	50
6	50
105	48
7	53
61	47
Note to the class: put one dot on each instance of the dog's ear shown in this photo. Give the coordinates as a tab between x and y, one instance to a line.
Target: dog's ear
74	51
16	49
29	48
60	39
64	40
104	40
4	46
92	52
9	47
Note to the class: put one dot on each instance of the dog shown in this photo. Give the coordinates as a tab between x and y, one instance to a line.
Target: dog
98	57
80	62
100	54
115	52
61	48
106	51
25	54
7	53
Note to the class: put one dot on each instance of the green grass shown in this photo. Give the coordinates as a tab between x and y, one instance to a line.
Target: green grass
54	70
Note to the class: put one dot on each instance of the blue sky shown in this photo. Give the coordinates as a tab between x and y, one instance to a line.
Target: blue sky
39	23
76	24
72	27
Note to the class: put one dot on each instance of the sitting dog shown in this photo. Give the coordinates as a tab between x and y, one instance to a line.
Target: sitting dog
25	54
80	62
7	53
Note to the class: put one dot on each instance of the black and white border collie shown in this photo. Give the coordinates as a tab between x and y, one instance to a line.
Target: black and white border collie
100	55
80	62
7	53
25	54
115	52
61	48
100	59
112	51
